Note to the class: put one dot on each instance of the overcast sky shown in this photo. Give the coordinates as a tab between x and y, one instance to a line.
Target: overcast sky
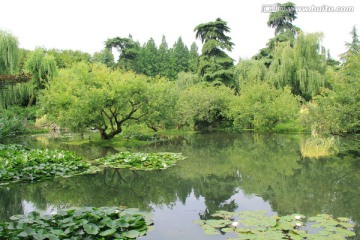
86	24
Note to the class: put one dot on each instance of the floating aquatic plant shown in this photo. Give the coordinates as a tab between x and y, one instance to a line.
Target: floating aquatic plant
256	225
18	163
82	223
140	161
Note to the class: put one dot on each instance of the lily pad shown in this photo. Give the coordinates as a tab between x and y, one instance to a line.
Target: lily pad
82	223
140	161
256	225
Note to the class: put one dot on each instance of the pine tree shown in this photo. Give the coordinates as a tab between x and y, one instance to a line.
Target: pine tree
285	31
148	59
128	49
181	56
214	63
354	46
164	58
193	58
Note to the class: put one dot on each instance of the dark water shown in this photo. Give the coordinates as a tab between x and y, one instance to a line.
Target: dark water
281	174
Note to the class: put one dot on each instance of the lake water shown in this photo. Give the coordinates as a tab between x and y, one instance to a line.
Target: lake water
279	173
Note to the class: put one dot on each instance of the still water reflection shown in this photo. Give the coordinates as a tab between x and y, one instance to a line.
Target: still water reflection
282	174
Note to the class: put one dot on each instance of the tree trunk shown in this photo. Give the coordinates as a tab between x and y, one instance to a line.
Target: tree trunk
109	135
31	101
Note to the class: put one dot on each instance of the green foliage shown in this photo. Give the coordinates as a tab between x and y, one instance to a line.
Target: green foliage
301	67
179	57
163	109
164	58
9	53
186	79
148	59
12	121
214	63
338	110
261	106
250	71
256	225
282	19
193	58
105	57
18	163
67	58
140	161
94	96
285	31
203	105
80	223
129	52
42	67
353	47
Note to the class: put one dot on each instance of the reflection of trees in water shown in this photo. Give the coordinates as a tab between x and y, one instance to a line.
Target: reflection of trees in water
10	202
217	165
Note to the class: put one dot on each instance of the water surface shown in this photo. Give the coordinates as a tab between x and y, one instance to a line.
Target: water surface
281	174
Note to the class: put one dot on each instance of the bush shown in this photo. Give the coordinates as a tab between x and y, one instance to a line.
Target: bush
261	106
12	121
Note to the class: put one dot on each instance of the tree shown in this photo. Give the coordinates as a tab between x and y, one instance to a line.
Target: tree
203	105
164	111
148	59
301	67
96	96
214	63
193	58
180	56
9	53
338	110
66	58
285	31
164	59
261	106
105	57
250	71
128	49
9	59
353	48
43	67
282	20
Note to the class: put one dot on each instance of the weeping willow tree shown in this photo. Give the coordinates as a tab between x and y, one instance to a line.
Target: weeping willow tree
9	53
250	71
302	67
42	67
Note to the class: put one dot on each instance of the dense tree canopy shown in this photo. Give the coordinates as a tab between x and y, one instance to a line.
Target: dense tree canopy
94	96
9	53
214	63
261	106
42	67
202	106
281	20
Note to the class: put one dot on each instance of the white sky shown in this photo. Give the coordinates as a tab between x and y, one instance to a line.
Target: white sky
86	24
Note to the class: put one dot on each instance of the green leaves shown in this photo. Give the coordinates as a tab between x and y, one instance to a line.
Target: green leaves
18	163
83	223
91	229
261	106
140	161
256	225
